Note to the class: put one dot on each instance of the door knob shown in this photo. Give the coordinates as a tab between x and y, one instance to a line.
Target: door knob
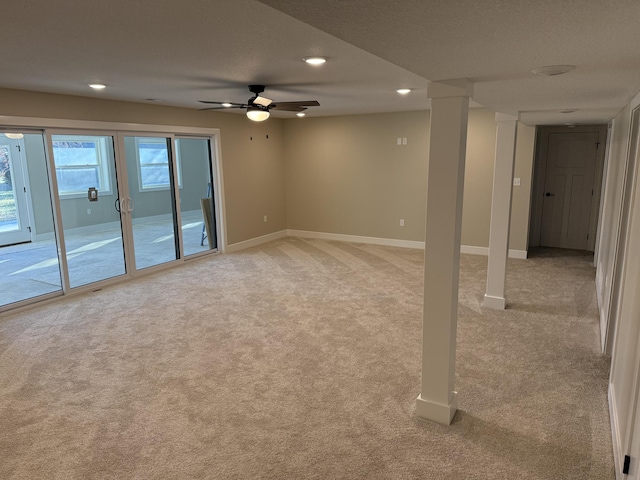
549	194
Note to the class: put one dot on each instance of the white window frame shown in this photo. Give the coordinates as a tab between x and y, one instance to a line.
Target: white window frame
102	156
161	140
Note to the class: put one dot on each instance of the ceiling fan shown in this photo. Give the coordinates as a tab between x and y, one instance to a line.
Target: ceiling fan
258	107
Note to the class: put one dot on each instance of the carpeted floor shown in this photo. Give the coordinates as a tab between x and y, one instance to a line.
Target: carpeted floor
300	359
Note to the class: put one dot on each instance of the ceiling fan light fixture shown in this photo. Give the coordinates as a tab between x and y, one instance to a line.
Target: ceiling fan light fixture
552	70
97	86
315	60
227	105
300	114
257	114
403	91
14	136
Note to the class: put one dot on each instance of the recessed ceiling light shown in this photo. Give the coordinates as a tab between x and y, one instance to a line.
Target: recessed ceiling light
300	114
552	70
403	91
315	60
97	86
227	105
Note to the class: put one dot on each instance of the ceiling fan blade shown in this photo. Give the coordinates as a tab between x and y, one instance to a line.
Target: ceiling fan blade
233	104
264	101
294	106
224	108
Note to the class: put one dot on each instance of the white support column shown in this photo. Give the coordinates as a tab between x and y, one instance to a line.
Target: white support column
501	211
445	183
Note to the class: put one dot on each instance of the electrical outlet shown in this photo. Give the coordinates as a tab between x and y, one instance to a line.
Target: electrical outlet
516	182
265	219
399	141
404	140
402	222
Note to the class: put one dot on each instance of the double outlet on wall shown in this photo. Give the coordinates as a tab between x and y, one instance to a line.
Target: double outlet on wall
401	141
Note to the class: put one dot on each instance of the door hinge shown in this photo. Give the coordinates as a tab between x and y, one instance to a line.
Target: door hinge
597	145
25	189
627	464
29	229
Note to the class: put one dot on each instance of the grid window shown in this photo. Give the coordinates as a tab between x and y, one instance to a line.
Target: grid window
81	163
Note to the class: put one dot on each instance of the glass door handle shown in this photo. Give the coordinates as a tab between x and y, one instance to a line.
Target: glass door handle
130	204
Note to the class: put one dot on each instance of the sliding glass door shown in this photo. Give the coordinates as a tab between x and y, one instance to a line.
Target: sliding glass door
29	266
14	216
79	207
197	211
88	195
151	200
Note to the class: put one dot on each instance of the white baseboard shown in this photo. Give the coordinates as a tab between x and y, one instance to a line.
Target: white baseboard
339	237
473	250
389	242
43	237
235	247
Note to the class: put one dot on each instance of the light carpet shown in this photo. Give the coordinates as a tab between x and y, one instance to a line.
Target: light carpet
300	359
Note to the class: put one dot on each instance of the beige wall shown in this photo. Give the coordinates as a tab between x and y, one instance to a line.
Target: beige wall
478	177
344	175
253	169
347	175
521	203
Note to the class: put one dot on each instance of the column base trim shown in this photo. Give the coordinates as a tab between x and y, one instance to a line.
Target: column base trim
437	412
497	303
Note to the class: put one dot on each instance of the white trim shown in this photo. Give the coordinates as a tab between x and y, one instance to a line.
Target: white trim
496	303
474	250
40	123
390	242
437	412
394	242
253	242
615	434
43	237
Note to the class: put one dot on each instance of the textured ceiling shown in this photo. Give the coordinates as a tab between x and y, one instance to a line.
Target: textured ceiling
496	44
181	52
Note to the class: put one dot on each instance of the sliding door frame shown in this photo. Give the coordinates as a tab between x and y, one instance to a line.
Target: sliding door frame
118	131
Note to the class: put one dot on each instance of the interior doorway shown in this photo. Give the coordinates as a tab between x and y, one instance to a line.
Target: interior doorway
567	183
15	223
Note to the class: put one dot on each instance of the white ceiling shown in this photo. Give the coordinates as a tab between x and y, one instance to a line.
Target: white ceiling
182	52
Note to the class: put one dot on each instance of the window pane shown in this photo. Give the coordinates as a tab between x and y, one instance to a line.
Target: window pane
77	179
154	153
154	175
75	153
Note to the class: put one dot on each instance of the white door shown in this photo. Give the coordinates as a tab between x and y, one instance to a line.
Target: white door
14	216
568	189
